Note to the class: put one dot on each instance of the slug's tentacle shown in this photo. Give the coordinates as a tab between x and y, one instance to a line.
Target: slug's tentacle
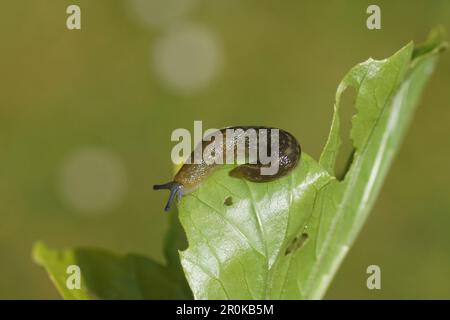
174	187
191	175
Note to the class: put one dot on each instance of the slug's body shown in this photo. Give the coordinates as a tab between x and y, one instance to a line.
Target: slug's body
191	175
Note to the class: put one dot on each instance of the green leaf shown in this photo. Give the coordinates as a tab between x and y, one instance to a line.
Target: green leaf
286	239
108	276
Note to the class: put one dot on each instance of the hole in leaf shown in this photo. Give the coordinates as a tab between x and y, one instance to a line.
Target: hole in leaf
297	243
228	201
346	150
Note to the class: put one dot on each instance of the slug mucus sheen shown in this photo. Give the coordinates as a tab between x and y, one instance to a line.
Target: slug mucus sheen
191	175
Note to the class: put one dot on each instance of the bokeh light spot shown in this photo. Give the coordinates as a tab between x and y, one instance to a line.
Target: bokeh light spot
92	180
187	58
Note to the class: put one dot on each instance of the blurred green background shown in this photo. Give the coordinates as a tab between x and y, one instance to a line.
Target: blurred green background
86	118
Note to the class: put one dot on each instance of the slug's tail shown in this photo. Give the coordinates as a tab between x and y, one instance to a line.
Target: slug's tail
174	187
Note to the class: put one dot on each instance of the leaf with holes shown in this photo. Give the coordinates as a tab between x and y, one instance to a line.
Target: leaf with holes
285	239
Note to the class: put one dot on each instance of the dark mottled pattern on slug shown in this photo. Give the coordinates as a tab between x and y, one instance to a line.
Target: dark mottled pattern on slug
191	175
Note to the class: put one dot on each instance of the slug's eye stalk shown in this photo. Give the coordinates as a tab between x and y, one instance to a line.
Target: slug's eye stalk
174	187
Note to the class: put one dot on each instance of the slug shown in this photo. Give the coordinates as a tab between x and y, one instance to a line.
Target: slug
191	175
